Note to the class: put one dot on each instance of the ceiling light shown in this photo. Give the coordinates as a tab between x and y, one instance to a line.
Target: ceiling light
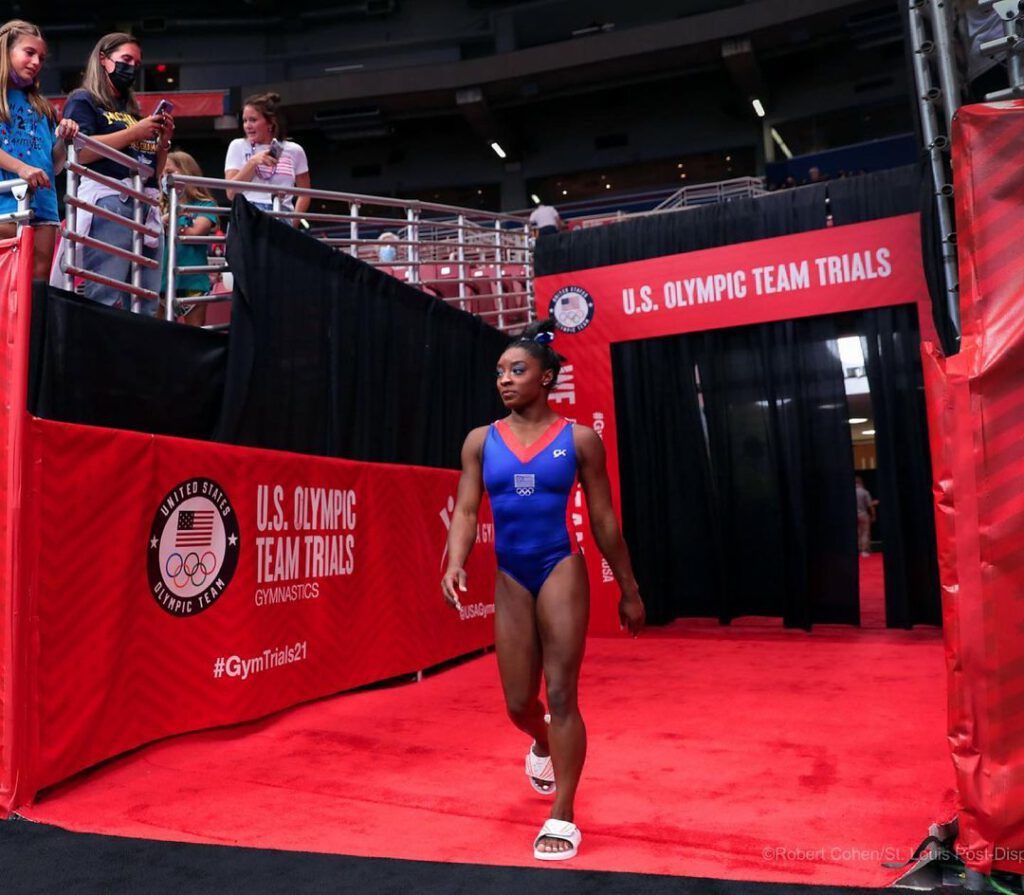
498	151
758	107
867	431
854	420
607	186
777	137
565	192
535	198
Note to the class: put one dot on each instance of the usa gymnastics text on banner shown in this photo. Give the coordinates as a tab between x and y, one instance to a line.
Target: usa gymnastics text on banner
827	271
212	584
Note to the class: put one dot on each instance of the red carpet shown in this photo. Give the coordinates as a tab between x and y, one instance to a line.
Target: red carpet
872	591
742	753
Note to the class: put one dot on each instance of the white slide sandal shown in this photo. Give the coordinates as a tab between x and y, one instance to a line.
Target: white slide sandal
557	829
540	768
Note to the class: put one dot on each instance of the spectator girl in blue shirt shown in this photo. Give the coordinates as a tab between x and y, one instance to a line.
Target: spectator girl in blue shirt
30	148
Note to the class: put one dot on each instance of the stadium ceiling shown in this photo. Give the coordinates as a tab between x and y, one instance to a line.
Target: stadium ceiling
731	39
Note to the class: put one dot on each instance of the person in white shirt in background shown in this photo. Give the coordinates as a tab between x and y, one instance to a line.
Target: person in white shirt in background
265	156
545	219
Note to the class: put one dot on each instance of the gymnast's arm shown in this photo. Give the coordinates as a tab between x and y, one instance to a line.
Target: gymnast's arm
605	526
462	533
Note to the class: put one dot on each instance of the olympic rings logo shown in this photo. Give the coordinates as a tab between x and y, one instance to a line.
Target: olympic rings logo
191	568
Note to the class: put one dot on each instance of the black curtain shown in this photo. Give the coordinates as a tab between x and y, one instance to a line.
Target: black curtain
742	220
96	365
754	514
330	356
881	194
782	460
669	508
904	478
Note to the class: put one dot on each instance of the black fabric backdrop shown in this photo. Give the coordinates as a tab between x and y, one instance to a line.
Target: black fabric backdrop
759	518
704	227
325	356
329	356
904	477
768	523
100	366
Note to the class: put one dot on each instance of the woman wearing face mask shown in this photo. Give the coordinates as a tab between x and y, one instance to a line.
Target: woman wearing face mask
264	156
106	110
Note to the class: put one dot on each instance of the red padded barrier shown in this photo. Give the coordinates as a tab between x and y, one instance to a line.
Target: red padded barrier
977	413
15	291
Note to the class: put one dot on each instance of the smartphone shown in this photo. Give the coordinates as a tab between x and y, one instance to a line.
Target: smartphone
165	106
276	148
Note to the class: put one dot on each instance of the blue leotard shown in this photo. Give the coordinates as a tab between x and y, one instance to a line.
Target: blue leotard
529	489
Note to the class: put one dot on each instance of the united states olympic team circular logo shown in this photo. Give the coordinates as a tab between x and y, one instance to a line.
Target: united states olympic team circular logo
193	547
572	309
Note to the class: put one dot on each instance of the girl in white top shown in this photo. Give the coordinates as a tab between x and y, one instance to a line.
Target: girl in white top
252	158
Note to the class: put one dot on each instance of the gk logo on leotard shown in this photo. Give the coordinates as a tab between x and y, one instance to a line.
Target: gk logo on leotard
524	484
559	452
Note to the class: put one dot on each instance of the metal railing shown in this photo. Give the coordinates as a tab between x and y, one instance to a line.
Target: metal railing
22	194
1011	44
713	193
132	188
477	261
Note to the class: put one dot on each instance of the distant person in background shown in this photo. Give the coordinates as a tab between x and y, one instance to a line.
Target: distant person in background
32	151
865	516
105	109
264	156
189	223
814	175
387	253
545	220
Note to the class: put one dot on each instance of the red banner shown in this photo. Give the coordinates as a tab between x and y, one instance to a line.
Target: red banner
197	104
177	585
828	271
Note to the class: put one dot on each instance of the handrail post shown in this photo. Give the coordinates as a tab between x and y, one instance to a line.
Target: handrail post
412	215
499	294
462	261
353	229
172	249
21	195
138	240
531	307
70	218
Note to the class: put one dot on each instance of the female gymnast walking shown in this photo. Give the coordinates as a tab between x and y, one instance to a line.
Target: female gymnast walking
528	463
